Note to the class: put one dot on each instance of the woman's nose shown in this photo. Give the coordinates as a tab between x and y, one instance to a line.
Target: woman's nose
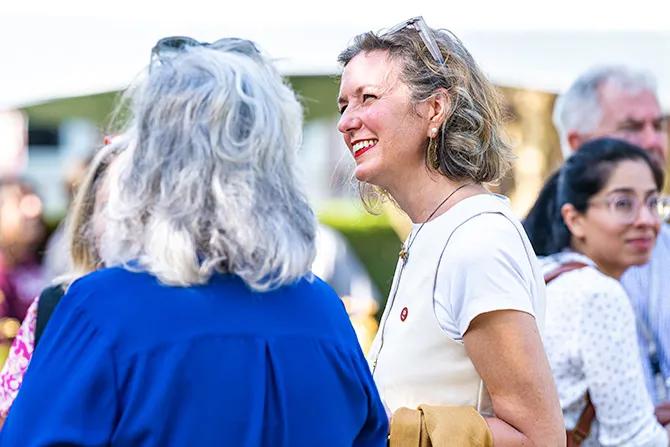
647	215
348	122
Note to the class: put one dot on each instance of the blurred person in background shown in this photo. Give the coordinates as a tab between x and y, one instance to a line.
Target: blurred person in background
206	327
597	216
82	245
57	259
337	264
621	102
22	232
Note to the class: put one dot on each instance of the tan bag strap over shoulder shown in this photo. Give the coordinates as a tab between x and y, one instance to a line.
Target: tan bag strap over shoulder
581	431
563	268
577	435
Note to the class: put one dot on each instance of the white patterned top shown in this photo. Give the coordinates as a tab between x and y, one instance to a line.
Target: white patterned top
591	341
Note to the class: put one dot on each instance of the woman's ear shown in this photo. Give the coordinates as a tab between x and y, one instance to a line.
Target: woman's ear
439	108
574	220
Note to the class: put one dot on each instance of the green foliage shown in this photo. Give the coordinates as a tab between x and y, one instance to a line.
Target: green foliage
97	108
318	95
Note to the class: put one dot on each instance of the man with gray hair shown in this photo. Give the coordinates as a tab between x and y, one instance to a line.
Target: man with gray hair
619	102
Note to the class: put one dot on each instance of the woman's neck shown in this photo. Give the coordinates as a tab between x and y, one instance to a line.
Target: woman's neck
609	269
420	198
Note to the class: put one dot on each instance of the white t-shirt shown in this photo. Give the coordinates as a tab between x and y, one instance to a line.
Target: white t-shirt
484	268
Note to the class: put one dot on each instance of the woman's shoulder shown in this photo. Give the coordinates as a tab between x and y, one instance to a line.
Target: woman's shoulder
107	274
587	282
483	235
491	223
110	290
119	302
116	281
317	298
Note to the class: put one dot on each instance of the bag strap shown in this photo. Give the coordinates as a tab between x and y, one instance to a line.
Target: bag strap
563	268
583	427
577	435
49	299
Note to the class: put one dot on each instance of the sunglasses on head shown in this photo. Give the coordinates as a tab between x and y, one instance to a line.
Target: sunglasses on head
421	27
171	46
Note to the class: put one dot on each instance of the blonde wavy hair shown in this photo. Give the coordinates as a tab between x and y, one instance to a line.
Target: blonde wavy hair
471	143
79	223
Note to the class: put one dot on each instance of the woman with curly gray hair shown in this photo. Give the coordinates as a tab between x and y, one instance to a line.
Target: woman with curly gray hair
206	327
461	328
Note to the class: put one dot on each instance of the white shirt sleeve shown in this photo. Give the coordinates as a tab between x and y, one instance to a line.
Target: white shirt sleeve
484	268
612	369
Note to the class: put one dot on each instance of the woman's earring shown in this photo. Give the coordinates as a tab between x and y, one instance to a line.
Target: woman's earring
433	132
432	154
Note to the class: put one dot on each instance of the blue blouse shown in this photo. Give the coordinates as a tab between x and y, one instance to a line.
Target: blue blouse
126	361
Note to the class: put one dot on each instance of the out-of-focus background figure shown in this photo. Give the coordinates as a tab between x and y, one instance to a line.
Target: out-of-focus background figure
337	263
621	102
22	232
57	260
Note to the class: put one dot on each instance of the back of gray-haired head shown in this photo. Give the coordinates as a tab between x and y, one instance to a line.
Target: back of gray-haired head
211	183
579	108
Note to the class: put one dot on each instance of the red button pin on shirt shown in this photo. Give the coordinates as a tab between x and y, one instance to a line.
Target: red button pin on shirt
403	314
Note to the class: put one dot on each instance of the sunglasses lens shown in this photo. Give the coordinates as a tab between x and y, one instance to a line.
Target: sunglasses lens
175	43
170	47
235	44
402	25
420	26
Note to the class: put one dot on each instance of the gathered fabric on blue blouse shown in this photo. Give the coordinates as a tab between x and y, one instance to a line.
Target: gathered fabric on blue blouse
126	361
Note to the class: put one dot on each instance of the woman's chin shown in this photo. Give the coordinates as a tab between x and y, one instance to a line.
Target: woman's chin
363	174
640	259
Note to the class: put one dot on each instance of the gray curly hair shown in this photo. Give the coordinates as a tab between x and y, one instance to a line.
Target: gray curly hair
472	143
210	182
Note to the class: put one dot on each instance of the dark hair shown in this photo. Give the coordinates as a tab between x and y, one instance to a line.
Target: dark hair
581	177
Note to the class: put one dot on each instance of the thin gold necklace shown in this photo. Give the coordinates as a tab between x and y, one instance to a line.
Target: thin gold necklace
404	251
404	255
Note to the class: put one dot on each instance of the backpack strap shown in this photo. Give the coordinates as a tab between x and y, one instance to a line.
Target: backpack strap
577	435
49	299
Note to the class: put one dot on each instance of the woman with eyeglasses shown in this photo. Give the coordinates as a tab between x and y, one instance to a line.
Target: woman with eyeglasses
206	328
595	217
461	328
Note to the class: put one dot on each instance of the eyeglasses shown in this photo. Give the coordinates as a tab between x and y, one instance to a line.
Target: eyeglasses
627	209
171	46
420	25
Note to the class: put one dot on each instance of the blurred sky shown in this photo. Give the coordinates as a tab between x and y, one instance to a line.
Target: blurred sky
69	47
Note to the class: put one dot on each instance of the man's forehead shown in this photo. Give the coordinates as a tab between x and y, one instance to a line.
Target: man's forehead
638	103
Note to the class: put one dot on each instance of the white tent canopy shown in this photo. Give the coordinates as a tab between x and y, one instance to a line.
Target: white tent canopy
71	48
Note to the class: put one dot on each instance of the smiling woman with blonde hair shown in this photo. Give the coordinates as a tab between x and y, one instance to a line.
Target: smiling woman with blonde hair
461	328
